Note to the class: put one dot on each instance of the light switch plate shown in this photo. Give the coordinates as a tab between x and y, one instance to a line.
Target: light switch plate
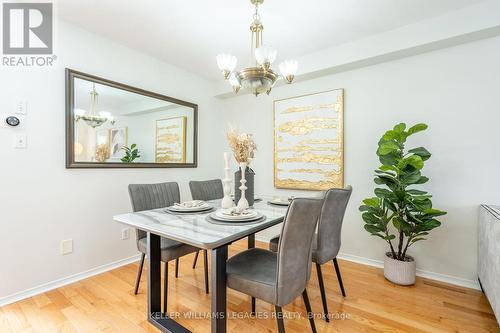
20	141
66	246
21	107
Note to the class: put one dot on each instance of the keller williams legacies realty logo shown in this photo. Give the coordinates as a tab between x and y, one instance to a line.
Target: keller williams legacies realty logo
27	33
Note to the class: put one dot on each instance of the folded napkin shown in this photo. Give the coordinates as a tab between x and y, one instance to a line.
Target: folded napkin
191	204
235	211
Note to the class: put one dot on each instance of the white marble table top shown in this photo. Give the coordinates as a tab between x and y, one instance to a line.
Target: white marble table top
495	210
195	230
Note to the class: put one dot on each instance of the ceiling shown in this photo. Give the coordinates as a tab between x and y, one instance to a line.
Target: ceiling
190	33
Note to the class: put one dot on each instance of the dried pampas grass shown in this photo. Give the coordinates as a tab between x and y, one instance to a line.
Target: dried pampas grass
242	145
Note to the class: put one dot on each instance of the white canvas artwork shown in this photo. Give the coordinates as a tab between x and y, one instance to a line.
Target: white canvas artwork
308	141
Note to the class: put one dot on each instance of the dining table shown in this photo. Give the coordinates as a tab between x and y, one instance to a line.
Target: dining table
196	229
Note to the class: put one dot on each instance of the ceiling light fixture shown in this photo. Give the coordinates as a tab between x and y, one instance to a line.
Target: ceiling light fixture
259	77
91	118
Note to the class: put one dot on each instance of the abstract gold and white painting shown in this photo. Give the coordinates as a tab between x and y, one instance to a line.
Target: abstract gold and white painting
309	141
171	140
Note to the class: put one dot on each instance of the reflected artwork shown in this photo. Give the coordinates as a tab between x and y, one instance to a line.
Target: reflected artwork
171	140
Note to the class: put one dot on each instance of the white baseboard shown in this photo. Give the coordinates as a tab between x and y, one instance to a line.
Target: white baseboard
422	273
66	280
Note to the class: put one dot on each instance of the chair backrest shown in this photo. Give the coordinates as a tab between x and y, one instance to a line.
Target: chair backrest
330	223
206	189
295	249
152	196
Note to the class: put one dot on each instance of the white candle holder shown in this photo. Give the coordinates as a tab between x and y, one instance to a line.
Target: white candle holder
227	201
243	203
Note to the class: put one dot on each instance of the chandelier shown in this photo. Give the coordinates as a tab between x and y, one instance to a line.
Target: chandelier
92	118
259	77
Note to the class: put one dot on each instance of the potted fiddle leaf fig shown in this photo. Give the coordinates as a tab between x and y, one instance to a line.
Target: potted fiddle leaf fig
400	213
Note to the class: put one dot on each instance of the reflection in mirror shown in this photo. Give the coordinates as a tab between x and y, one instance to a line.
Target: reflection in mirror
113	125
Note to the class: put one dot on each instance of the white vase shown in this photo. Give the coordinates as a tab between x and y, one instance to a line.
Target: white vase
400	272
243	203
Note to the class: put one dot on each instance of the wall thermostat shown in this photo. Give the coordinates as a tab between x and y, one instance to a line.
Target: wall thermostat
12	121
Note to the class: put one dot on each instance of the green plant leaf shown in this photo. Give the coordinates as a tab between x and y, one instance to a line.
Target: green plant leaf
433	212
417	128
372	229
382	192
399	128
422	152
417	239
416	192
389	159
390	135
411	178
372	202
415	161
387	147
133	146
370	218
387	168
422	180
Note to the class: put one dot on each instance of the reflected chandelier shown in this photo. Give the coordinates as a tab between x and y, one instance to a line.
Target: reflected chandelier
92	118
259	77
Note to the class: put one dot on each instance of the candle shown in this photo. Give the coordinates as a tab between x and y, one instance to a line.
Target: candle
226	160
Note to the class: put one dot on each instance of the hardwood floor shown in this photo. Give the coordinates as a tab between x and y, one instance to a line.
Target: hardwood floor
106	303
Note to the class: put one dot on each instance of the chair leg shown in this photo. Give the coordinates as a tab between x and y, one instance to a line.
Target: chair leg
326	317
205	263
176	268
139	273
339	276
195	259
310	315
279	319
165	289
253	306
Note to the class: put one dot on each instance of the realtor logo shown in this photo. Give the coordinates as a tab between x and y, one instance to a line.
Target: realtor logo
27	28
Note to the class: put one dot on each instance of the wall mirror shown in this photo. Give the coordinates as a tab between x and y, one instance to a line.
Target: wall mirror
112	125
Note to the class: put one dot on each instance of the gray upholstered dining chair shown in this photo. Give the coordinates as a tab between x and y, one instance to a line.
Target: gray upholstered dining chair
205	190
153	196
326	243
279	277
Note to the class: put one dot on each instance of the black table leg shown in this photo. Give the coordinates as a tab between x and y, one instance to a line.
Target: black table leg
251	245
219	258
154	273
155	316
251	241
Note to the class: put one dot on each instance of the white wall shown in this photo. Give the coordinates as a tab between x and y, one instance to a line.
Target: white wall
41	202
455	91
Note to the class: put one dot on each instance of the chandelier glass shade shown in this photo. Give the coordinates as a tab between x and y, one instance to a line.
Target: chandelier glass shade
259	77
92	117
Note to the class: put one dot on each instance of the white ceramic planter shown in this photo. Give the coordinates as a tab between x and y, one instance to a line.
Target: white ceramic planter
400	272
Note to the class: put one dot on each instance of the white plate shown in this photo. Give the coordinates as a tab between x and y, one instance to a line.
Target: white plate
190	209
279	202
221	214
245	219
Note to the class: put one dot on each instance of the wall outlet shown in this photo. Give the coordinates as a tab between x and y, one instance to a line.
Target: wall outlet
66	246
20	141
125	233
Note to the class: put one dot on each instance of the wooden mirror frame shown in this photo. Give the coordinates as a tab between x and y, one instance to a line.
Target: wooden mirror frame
70	125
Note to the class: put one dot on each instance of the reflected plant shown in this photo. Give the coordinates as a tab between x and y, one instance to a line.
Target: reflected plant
131	153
